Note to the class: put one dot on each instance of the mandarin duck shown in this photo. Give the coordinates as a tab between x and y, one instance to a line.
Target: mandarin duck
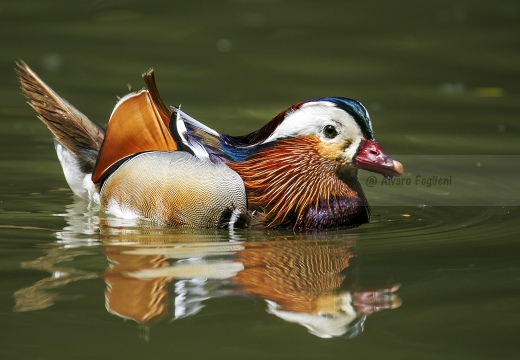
155	162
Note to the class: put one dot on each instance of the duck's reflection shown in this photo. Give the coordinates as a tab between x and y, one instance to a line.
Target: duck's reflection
309	281
164	273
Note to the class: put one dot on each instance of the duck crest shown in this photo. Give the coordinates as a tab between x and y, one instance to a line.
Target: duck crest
353	107
260	135
290	182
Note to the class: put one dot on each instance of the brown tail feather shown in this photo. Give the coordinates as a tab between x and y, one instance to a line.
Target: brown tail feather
79	135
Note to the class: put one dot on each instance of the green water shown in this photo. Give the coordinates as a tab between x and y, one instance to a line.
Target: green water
436	273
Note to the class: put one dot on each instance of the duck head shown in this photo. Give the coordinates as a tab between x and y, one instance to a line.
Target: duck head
300	169
342	129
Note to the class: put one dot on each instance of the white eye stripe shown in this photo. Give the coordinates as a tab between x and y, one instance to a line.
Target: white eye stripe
312	118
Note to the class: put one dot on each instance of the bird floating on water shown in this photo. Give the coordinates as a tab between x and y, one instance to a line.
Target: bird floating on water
155	162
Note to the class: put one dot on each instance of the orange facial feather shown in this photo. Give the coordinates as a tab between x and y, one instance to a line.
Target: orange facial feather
287	179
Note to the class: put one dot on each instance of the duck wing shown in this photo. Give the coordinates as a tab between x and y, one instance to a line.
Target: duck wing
196	138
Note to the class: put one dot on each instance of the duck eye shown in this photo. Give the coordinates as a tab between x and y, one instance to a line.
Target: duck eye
330	131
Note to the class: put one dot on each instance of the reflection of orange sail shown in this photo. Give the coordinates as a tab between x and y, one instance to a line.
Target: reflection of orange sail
142	300
298	277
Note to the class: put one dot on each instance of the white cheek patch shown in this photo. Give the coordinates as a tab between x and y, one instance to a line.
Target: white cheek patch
351	151
311	118
304	121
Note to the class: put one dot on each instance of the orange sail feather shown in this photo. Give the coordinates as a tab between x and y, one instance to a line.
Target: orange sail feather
136	126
